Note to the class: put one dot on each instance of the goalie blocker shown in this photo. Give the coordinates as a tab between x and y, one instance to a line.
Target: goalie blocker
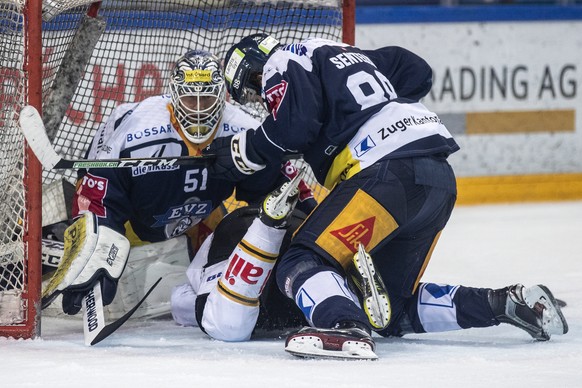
92	254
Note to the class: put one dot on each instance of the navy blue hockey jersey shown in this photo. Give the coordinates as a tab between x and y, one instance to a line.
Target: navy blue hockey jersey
345	108
158	202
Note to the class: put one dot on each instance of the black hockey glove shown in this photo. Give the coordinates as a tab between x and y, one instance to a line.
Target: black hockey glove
72	297
231	162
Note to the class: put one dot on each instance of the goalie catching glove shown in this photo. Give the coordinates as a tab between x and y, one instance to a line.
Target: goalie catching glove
92	254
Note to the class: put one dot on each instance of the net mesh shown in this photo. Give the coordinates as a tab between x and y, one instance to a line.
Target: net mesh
13	307
134	57
97	56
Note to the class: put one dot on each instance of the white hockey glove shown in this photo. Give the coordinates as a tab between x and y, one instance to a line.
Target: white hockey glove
92	254
307	200
232	163
290	171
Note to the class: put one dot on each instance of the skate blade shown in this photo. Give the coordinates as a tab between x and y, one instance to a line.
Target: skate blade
378	311
312	347
377	304
553	321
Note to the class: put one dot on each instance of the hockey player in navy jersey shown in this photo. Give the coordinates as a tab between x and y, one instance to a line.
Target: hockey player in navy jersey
154	204
356	263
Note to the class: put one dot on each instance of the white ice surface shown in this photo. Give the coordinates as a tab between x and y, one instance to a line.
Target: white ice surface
484	246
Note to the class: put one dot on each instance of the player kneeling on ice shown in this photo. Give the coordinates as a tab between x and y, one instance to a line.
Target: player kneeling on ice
231	291
153	204
355	115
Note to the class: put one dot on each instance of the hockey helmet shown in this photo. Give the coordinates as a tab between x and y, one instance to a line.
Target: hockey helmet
198	94
244	66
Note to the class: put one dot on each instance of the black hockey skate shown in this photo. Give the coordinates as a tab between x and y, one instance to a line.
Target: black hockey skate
347	340
279	204
532	309
371	289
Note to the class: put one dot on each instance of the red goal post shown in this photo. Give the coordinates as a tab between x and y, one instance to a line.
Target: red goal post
75	61
20	172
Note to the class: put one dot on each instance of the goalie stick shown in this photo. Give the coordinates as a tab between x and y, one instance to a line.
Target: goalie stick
32	127
94	328
73	64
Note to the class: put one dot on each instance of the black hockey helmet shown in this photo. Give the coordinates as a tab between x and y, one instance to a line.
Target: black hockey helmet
244	66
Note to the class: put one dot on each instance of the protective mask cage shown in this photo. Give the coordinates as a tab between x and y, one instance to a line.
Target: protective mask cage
198	108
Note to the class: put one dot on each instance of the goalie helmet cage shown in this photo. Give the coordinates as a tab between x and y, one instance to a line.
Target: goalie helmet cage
75	61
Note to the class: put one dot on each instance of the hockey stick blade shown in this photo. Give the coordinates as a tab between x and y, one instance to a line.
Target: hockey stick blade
32	127
113	326
34	132
47	300
93	316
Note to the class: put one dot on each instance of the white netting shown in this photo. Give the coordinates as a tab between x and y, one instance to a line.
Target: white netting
133	57
128	52
12	209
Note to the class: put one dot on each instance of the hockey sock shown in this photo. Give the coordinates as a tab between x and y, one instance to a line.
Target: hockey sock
325	300
251	264
443	307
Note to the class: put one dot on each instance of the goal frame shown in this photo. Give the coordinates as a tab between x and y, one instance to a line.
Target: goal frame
32	220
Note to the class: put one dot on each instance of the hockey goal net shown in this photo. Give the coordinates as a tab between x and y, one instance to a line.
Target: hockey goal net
90	57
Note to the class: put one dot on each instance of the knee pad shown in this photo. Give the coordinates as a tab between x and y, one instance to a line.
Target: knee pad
294	267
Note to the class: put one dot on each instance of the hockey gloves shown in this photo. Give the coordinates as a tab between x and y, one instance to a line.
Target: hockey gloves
232	163
307	200
92	254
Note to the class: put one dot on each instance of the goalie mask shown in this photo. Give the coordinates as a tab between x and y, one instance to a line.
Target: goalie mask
244	66
198	94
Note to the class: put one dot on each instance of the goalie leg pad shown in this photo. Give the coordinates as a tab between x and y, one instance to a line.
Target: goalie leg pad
80	241
146	263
